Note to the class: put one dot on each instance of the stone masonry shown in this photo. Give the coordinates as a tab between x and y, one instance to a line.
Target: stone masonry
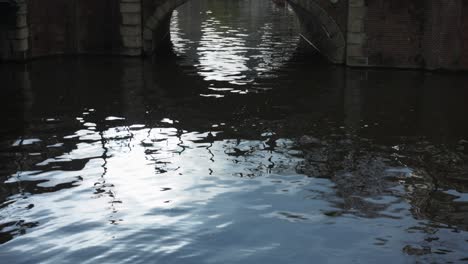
356	35
131	27
427	34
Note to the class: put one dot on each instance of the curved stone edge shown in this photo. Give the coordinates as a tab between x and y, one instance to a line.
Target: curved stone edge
331	29
161	13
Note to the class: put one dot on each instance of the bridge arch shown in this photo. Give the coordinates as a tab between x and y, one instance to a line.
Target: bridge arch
318	28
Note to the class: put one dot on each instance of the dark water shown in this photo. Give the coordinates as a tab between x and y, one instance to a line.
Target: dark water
241	148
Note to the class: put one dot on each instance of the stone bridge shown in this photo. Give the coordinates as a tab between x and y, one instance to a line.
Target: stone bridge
429	34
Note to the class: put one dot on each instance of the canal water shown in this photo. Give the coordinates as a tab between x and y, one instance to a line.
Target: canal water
241	146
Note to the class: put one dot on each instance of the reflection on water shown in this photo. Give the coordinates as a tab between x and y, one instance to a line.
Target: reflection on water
237	42
121	161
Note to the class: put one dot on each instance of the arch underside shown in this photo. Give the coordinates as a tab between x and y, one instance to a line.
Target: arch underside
318	28
153	25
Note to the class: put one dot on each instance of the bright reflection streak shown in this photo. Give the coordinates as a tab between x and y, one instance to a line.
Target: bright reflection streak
222	58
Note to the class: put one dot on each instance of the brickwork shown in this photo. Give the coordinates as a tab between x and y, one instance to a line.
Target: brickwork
97	29
464	37
73	27
49	26
394	33
415	34
442	37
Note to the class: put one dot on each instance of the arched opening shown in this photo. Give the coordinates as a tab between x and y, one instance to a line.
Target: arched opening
238	42
317	27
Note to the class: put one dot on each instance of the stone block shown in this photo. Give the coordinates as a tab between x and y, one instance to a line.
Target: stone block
21	20
131	19
130	7
357	61
356	25
132	41
357	3
356	38
20	45
356	13
19	33
22	9
130	30
131	52
355	51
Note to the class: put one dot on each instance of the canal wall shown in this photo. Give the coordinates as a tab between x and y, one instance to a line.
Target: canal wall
430	34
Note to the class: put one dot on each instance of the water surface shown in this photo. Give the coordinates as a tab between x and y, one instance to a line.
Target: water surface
241	147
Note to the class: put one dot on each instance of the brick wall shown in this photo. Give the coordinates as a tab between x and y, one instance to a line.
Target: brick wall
73	26
464	32
98	29
416	33
395	32
443	34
